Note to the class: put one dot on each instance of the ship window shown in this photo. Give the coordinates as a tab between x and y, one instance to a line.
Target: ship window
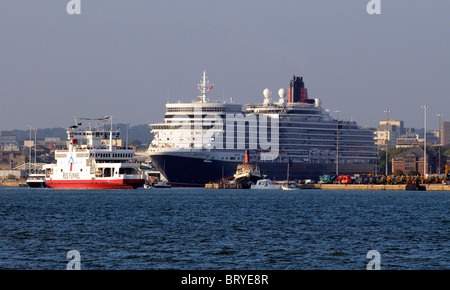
107	172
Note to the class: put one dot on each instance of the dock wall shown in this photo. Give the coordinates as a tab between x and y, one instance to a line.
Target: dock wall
429	187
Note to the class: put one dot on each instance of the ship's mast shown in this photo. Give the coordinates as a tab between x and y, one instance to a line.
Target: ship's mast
204	86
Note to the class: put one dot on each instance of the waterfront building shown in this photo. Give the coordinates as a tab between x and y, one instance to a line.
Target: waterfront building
445	131
412	160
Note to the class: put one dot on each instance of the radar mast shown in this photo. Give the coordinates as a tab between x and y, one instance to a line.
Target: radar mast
204	87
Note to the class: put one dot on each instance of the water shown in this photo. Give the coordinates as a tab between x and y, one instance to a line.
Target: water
200	229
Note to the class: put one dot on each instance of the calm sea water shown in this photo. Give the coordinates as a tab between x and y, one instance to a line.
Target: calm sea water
200	229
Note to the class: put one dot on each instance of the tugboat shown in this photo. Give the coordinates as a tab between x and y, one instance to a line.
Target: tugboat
415	186
91	162
247	173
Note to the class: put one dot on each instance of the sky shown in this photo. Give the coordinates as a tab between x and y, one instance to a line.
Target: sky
129	58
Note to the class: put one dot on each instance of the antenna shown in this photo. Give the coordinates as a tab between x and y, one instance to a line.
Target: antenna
204	87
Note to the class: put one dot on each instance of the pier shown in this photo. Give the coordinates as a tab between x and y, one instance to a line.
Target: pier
428	187
399	187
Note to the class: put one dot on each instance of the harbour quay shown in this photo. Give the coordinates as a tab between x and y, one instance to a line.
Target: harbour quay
426	187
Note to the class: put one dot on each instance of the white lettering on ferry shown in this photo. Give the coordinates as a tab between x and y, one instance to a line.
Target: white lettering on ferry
71	175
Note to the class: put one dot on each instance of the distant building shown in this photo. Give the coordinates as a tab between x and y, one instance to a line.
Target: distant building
432	138
412	160
11	158
410	139
387	133
52	143
9	143
407	141
10	154
445	131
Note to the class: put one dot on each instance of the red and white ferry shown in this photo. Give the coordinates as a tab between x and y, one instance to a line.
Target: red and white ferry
92	162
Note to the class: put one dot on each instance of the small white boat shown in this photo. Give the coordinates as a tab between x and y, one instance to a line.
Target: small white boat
36	181
162	185
265	184
290	186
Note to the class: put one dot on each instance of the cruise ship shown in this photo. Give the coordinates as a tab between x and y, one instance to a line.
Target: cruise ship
201	142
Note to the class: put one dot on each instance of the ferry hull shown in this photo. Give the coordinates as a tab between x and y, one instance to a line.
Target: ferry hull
189	171
96	184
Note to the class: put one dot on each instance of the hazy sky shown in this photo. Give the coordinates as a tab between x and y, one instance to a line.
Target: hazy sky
128	58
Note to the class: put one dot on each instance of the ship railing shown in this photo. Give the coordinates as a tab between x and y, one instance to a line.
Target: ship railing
83	149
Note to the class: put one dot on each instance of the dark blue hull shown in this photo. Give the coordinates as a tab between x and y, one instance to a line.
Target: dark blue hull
185	171
36	184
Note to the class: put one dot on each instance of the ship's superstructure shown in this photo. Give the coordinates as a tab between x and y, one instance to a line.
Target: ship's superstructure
184	147
93	161
308	134
200	142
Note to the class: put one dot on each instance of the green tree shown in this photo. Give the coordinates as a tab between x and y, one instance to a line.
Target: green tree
391	152
398	172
